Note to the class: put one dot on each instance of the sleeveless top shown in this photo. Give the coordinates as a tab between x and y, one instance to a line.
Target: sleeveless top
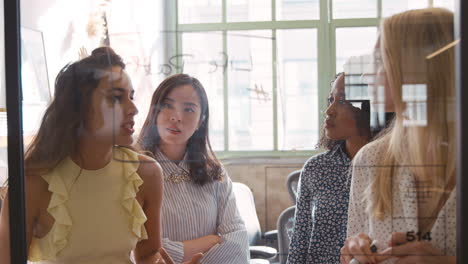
97	216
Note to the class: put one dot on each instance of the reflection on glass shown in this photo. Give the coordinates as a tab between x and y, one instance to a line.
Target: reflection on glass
3	118
135	30
250	90
354	8
297	9
204	58
415	98
34	81
205	11
365	80
248	10
360	71
391	7
354	41
3	114
297	89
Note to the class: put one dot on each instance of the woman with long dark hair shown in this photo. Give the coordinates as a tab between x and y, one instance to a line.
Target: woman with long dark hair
199	212
89	199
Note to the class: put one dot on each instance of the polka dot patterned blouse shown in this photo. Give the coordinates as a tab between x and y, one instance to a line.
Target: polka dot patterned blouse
404	212
321	212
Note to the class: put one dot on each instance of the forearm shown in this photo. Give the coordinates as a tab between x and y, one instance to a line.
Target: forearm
4	250
202	244
150	259
298	248
233	249
451	260
4	234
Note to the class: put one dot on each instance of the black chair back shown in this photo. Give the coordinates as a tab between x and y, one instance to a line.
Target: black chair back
292	183
285	227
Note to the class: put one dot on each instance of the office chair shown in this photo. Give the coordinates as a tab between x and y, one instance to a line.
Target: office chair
285	227
259	253
292	183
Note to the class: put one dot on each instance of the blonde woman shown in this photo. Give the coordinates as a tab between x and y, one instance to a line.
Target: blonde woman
402	200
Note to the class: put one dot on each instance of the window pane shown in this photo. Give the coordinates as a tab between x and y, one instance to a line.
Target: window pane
201	11
297	9
137	34
297	89
354	8
391	7
248	10
35	84
204	59
449	4
354	41
250	86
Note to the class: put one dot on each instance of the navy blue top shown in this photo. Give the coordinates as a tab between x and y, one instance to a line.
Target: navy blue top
321	209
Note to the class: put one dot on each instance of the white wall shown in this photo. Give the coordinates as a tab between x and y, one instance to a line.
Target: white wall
64	25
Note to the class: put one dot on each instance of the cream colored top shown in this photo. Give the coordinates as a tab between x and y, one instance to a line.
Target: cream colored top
404	216
97	216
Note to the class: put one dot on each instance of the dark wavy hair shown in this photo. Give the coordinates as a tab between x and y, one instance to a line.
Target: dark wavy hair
64	118
204	166
362	122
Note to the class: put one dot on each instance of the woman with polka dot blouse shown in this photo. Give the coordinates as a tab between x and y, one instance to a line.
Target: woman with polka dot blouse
321	212
403	197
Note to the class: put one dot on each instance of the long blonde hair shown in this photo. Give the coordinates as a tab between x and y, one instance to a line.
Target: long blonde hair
407	39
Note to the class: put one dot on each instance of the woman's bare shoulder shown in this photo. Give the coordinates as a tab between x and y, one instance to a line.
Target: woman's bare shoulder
149	169
34	182
151	173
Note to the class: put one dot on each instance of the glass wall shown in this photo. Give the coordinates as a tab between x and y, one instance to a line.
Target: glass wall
3	117
347	30
308	79
3	135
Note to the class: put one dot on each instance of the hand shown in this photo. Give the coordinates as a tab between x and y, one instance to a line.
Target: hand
168	260
414	252
82	53
159	259
358	247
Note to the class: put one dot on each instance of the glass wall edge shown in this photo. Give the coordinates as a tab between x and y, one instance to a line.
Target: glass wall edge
461	66
15	138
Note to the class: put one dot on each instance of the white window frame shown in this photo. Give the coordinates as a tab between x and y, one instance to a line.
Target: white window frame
326	60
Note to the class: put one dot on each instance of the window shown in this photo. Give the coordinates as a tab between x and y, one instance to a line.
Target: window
267	64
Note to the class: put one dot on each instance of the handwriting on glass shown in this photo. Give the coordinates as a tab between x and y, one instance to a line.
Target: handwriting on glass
177	62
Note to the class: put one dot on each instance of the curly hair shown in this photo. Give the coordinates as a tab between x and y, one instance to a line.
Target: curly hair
362	122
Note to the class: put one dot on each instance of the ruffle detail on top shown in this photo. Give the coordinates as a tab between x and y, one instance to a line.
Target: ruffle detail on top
58	235
138	218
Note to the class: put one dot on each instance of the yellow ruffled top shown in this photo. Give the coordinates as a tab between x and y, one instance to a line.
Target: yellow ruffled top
97	216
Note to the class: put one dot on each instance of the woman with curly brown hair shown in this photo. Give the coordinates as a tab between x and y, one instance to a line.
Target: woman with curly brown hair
321	209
